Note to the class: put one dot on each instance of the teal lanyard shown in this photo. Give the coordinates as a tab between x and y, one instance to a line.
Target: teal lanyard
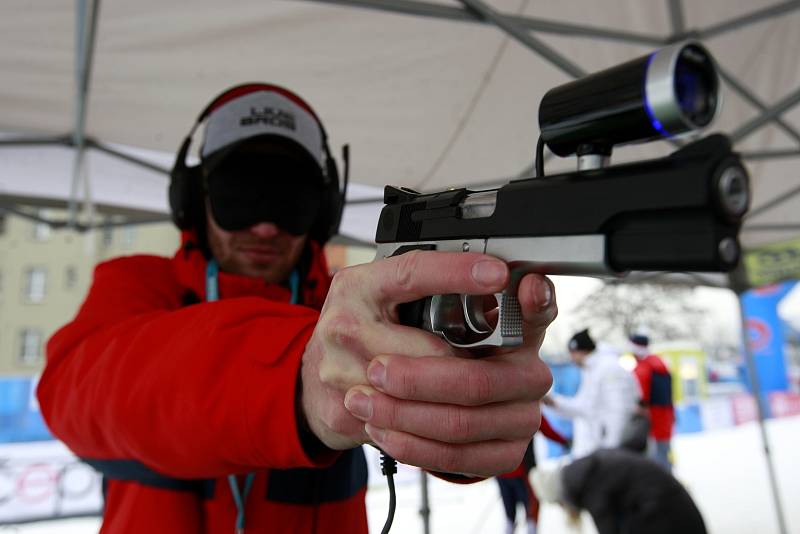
212	295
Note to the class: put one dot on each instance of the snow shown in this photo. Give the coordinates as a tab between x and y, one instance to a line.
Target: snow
723	469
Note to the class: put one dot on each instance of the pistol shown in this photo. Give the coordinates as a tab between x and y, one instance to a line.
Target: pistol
682	212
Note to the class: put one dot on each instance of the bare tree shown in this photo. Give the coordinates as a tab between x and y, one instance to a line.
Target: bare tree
615	311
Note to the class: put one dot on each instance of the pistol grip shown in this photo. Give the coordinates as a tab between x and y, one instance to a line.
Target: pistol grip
411	313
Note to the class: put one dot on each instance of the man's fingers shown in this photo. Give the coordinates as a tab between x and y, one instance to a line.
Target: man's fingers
537	299
487	458
349	342
466	382
447	423
418	274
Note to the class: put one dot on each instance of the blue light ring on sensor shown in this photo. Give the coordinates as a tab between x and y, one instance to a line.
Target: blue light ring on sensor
661	103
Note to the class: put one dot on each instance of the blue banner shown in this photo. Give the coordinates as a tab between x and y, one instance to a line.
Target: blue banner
765	336
20	419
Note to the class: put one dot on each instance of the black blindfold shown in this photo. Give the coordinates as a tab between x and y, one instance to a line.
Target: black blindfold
249	188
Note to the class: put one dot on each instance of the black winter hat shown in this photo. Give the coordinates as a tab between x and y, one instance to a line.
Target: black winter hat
582	341
639	339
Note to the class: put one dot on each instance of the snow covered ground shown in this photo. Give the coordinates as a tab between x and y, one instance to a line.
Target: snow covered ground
724	470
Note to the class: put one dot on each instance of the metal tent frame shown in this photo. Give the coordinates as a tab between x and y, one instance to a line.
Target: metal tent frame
522	29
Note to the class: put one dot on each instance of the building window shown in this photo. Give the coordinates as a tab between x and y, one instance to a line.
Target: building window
107	236
30	351
35	284
128	235
70	277
41	231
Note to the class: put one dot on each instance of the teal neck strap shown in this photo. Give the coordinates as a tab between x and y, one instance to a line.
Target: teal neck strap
212	295
212	283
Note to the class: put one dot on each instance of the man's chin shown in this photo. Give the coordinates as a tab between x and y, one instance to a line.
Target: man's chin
268	273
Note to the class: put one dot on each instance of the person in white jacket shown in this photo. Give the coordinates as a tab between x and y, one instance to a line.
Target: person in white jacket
607	397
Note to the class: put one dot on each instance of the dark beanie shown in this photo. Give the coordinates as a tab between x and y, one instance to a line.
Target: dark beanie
582	341
639	339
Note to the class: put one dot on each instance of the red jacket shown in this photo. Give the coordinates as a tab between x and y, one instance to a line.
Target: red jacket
167	399
656	385
548	432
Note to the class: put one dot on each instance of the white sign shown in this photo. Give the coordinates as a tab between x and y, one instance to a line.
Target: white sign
44	480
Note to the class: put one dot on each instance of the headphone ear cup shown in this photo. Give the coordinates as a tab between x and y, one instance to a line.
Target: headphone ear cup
184	190
327	223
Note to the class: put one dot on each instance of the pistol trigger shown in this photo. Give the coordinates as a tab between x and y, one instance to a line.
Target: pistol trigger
473	314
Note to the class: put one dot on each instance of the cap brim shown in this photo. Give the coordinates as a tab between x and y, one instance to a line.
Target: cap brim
276	144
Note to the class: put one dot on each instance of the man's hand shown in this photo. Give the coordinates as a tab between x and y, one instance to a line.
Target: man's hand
367	378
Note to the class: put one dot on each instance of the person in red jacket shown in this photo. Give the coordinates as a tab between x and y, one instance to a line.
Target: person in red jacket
231	385
655	382
515	487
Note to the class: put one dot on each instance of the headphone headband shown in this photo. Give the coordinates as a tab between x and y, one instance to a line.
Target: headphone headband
239	90
186	193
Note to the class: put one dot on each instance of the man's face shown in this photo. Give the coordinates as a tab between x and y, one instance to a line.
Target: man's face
578	357
262	250
639	351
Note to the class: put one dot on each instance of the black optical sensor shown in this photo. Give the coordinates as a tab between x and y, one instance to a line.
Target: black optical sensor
669	92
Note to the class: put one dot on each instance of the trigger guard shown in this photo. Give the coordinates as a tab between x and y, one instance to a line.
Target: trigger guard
474	316
446	316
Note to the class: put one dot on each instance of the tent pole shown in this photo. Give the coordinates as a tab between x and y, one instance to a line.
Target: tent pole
780	199
750	97
445	12
772	228
127	157
771	154
677	18
85	26
37	141
521	34
768	115
424	507
756	387
752	18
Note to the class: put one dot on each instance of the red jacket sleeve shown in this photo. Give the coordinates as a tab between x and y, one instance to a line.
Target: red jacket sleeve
192	392
644	375
551	433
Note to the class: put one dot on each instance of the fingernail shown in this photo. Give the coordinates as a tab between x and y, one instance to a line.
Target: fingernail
377	434
359	404
544	294
377	374
489	272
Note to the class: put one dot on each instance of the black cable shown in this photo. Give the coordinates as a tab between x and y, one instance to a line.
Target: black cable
539	160
389	468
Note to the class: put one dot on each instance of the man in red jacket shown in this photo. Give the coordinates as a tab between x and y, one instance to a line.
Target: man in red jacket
655	382
231	385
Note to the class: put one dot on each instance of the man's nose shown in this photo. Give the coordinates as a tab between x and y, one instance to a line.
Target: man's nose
264	229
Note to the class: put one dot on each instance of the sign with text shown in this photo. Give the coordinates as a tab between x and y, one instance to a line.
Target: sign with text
44	480
773	263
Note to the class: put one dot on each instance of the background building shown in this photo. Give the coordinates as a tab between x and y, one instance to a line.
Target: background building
45	274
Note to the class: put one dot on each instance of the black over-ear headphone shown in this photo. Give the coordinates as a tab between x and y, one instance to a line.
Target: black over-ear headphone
186	199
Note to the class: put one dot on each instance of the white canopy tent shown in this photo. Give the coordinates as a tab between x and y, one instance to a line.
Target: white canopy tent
430	94
427	95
